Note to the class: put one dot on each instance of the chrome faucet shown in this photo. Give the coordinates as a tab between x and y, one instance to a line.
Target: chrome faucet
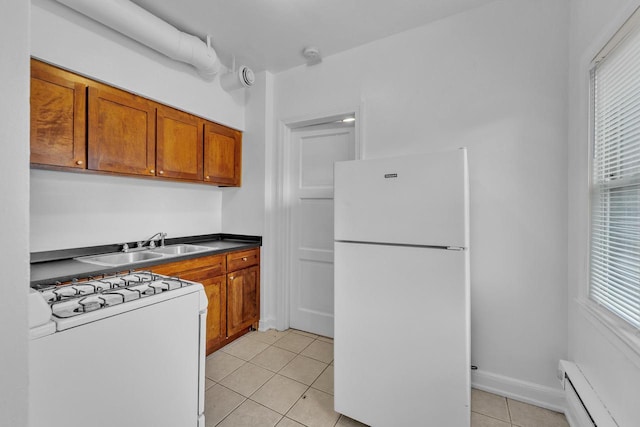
151	242
141	245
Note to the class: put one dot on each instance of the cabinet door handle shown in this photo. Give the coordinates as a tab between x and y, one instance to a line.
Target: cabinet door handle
79	162
161	172
206	177
244	258
152	171
230	277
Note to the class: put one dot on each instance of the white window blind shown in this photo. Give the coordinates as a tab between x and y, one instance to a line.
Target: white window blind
615	179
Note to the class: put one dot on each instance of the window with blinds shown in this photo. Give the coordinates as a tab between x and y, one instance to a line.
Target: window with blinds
615	176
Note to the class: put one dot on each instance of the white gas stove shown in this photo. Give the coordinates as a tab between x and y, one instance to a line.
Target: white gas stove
143	333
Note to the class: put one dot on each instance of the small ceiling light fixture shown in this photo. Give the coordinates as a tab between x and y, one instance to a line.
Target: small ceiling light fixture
348	119
312	55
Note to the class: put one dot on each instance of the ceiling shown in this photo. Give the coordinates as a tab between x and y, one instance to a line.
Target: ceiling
271	34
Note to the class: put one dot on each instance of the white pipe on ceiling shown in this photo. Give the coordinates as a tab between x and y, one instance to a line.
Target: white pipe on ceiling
146	28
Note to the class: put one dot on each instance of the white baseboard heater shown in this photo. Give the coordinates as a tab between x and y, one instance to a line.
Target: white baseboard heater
584	407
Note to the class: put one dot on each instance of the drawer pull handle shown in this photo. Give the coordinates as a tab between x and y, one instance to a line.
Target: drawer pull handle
244	258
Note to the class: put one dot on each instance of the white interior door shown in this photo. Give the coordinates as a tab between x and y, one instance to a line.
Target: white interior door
313	151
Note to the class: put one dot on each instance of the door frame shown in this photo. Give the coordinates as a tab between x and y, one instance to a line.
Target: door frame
281	214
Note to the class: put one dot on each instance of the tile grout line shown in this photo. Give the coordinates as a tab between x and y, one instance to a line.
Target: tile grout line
299	353
314	381
218	382
303	395
266	407
274	373
509	411
309	387
494	418
234	409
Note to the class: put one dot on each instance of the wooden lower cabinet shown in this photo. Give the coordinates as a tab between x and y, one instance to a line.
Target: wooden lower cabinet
243	294
233	296
216	290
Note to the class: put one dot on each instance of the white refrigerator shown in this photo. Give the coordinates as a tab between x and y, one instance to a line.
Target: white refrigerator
402	341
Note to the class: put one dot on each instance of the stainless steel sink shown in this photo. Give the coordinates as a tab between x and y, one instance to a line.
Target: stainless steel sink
179	249
123	258
120	258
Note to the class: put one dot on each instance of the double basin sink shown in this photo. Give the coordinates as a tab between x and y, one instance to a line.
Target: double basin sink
123	258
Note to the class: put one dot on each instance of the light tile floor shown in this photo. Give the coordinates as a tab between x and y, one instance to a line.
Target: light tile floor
285	379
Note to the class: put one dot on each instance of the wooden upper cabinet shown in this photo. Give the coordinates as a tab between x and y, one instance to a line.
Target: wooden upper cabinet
122	132
179	144
222	155
58	106
79	123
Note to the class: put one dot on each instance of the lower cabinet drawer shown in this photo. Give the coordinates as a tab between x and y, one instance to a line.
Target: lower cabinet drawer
195	269
243	259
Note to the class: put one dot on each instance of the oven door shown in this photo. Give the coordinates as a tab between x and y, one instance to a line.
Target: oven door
139	368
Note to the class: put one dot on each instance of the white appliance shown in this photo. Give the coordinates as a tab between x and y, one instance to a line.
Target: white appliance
402	342
124	350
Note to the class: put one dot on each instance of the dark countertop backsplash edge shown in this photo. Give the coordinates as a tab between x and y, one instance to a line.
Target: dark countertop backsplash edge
61	254
49	267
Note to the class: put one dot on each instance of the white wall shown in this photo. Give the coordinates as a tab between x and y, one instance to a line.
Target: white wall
245	209
611	366
493	79
72	210
14	210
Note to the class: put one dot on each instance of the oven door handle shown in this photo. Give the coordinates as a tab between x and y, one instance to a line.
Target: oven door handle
202	362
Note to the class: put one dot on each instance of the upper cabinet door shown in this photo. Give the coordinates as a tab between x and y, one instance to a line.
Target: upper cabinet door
122	132
179	144
222	155
58	102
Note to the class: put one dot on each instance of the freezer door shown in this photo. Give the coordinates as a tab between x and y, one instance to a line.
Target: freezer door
420	200
401	344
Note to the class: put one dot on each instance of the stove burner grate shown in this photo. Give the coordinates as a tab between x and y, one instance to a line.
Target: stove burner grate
91	305
80	297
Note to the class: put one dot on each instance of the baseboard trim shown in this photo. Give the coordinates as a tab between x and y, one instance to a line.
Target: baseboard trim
266	324
524	391
571	418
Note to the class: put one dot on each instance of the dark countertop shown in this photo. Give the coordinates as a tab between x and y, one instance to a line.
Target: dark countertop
50	267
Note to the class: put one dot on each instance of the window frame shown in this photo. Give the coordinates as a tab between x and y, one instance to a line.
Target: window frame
600	316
